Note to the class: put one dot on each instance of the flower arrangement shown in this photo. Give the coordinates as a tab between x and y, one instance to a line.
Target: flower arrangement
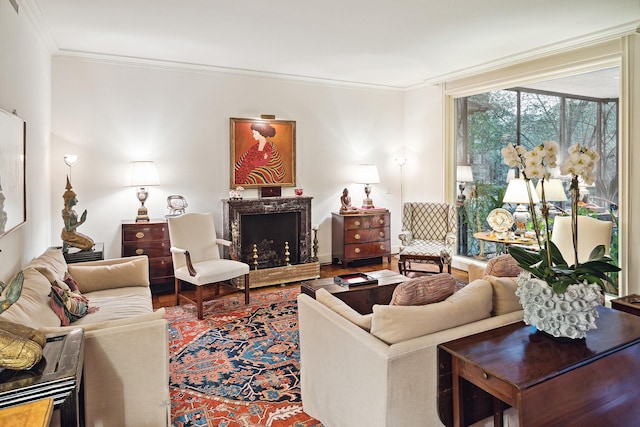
548	264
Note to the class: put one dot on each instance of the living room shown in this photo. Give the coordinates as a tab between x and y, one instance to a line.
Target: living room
110	110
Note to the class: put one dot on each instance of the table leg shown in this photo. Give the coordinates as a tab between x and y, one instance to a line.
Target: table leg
497	412
458	404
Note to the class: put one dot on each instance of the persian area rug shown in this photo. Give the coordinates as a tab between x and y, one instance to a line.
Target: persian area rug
239	366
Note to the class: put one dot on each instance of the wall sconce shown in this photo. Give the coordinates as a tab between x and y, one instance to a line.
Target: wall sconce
367	175
70	160
142	174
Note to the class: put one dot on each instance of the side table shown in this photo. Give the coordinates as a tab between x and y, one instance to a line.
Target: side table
58	375
76	255
585	382
629	304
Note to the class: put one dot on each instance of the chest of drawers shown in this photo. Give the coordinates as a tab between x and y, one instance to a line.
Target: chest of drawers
151	239
360	236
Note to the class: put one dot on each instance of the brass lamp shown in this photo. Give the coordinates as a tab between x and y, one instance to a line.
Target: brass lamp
367	175
142	175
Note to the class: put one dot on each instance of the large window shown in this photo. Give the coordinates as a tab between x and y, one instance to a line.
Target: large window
528	116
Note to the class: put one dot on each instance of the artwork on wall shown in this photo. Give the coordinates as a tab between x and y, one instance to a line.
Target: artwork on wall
13	208
263	153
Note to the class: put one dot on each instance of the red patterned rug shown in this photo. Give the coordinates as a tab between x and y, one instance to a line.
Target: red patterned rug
239	366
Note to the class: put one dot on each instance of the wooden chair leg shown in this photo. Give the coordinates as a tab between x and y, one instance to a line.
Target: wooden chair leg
246	289
199	307
177	290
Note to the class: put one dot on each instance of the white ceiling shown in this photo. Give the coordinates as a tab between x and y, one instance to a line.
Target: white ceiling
387	43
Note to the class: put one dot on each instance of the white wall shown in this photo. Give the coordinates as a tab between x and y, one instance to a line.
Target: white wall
110	114
25	85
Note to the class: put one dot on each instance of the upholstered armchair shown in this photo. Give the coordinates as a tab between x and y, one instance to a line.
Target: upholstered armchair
428	235
592	232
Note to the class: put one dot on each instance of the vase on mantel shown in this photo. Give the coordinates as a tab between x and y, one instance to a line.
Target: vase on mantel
569	315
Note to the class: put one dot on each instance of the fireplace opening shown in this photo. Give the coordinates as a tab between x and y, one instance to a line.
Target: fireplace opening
270	233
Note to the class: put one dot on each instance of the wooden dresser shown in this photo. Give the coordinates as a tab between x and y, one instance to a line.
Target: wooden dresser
151	239
360	236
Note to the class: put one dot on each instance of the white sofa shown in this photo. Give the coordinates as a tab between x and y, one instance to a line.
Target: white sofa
387	375
126	361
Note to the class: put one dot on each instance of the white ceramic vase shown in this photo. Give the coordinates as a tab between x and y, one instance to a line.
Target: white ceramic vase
567	315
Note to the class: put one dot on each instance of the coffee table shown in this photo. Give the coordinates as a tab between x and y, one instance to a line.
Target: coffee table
360	298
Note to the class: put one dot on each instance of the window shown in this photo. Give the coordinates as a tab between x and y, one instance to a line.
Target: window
528	116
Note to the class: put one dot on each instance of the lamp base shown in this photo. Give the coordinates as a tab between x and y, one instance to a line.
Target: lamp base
367	204
143	215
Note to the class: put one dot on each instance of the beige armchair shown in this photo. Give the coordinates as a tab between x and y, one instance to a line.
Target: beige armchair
196	260
428	235
591	233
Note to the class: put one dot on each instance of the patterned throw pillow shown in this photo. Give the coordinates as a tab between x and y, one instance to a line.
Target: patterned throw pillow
69	306
71	283
424	290
502	266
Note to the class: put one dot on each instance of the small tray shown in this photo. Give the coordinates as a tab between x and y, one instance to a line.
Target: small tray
355	279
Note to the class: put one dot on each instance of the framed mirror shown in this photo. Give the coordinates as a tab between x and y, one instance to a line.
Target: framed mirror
13	207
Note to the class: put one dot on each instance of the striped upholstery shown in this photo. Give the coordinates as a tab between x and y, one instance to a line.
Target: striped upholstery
428	230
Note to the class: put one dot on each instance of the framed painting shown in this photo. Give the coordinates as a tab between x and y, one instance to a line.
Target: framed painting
263	153
13	207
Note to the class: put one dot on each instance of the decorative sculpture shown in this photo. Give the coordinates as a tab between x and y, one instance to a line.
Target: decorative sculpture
345	201
70	236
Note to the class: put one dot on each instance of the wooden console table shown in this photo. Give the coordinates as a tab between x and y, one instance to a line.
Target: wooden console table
585	382
58	375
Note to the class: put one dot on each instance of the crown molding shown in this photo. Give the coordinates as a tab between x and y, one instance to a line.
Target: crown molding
36	18
533	54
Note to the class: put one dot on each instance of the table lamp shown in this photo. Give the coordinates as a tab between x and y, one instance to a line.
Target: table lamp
464	174
142	175
517	193
367	175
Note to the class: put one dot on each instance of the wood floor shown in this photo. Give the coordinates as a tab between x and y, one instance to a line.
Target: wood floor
326	270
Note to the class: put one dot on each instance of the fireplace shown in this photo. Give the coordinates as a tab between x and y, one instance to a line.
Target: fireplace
273	236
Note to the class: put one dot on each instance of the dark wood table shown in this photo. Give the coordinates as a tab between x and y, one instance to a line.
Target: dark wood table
629	304
585	382
58	375
360	298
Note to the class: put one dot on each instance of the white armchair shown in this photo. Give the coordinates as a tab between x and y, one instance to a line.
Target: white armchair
196	260
428	235
592	232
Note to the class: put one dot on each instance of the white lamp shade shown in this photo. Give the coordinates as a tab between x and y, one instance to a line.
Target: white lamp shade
464	173
143	174
368	174
553	190
517	192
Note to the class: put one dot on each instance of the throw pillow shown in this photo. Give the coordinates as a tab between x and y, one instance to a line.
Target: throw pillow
393	324
71	283
505	299
424	290
30	308
69	306
51	264
502	266
475	272
109	276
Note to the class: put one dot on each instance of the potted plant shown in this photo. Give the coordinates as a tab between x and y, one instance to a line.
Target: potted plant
558	296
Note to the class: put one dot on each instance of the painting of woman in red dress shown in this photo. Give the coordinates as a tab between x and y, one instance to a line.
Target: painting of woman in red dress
266	158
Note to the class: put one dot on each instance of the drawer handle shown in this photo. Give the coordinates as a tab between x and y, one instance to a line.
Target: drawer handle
357	236
381	221
139	251
485	375
381	234
357	250
382	247
139	234
357	223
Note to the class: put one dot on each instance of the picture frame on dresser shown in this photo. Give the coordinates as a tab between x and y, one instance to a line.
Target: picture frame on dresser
263	152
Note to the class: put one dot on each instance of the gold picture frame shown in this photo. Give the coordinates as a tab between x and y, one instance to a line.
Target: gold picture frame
263	153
